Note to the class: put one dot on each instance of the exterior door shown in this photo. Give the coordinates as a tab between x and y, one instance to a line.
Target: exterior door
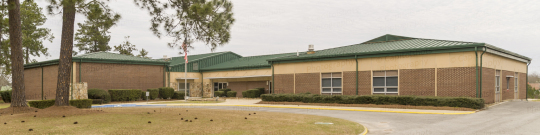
498	86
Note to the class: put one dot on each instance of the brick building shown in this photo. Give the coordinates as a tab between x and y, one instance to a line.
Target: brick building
100	70
387	65
397	65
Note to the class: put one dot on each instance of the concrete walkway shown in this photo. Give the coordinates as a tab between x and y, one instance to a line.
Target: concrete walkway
252	103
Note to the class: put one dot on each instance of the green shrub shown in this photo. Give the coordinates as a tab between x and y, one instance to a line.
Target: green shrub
154	93
466	102
166	92
6	96
218	93
124	94
225	91
81	103
178	95
260	89
231	94
41	104
97	101
253	93
99	94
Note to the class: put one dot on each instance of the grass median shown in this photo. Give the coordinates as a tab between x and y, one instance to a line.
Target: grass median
173	121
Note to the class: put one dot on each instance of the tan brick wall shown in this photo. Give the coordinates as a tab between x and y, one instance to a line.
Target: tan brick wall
488	85
349	83
456	82
364	82
50	78
419	82
240	87
507	93
522	85
308	82
121	76
32	83
284	83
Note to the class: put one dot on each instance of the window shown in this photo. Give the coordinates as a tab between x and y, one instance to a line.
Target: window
385	82
182	87
497	81
516	82
331	83
220	85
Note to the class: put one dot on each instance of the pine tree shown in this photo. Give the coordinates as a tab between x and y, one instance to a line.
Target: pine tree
32	17
92	34
126	47
143	53
18	98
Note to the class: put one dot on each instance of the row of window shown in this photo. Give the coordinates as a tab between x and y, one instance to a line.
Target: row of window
498	81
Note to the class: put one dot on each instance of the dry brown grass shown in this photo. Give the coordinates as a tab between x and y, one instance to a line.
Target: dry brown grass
372	105
168	121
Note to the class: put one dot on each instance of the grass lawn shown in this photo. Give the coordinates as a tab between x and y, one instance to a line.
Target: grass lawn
186	102
4	105
168	121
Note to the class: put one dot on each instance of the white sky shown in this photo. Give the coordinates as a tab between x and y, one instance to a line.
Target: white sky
280	26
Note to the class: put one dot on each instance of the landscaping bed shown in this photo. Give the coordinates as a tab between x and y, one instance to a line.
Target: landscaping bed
370	105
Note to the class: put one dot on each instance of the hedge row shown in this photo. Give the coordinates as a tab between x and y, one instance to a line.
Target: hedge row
474	103
253	93
125	94
99	94
166	92
178	95
79	103
231	94
219	93
154	93
6	96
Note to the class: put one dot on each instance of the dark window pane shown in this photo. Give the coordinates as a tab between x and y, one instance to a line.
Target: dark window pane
327	90
326	82
220	85
336	82
391	81
378	81
378	90
338	90
391	89
224	85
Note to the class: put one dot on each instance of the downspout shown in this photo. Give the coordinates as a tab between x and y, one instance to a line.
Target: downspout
481	69
356	59
41	81
476	71
72	76
80	70
527	81
164	79
168	77
272	90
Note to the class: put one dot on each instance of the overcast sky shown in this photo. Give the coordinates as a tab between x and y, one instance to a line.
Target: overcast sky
280	26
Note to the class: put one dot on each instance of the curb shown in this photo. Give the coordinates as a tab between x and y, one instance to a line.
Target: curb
360	110
365	130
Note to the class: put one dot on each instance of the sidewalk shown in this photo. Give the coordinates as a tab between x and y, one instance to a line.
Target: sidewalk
252	103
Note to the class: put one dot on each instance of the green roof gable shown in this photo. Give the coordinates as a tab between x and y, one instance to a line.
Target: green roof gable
391	45
103	57
196	62
252	62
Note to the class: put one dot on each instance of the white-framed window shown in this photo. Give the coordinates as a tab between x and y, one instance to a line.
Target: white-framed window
182	87
331	83
220	85
385	82
516	82
497	81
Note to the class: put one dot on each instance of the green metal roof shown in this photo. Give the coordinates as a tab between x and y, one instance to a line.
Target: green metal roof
196	62
103	57
252	62
192	58
394	45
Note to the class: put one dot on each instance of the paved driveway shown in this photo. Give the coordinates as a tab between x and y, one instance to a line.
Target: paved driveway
518	118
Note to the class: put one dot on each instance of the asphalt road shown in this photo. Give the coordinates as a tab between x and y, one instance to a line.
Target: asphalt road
515	118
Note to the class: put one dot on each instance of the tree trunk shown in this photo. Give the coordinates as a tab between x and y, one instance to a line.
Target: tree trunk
66	50
18	97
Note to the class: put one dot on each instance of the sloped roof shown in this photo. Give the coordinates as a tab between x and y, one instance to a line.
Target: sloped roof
103	57
180	60
246	62
393	44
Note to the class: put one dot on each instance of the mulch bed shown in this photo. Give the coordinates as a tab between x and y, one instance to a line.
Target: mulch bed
371	105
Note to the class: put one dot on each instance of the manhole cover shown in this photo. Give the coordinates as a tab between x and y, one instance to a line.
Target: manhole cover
324	123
